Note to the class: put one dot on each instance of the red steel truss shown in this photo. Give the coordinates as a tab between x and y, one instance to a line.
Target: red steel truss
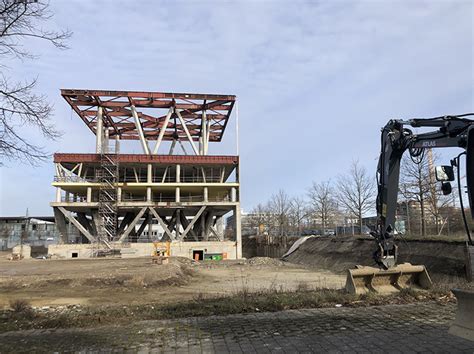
152	109
142	158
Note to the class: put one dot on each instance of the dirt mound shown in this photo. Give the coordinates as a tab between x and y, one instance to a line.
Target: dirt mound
266	261
339	253
175	273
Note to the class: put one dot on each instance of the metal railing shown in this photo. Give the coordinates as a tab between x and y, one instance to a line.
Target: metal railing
131	179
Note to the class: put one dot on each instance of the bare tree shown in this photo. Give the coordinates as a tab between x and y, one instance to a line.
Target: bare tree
279	205
260	218
19	105
356	191
323	203
298	213
415	179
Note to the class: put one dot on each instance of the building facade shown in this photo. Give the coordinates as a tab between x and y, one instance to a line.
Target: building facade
173	191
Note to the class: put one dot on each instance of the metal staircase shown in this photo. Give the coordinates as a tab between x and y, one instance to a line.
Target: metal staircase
108	178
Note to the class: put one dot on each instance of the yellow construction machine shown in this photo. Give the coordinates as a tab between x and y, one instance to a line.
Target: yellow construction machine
397	138
161	252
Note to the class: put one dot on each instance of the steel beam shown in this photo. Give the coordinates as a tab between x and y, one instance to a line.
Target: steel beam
138	124
162	223
193	221
185	128
132	225
162	130
77	224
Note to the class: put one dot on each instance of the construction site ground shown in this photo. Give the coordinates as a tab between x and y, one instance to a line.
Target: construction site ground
136	281
255	305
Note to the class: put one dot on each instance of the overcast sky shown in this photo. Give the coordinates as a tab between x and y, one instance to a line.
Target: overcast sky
315	80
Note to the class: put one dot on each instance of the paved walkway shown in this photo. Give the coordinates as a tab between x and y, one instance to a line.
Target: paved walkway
390	329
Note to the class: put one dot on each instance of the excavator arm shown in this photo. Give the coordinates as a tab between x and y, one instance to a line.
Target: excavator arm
396	139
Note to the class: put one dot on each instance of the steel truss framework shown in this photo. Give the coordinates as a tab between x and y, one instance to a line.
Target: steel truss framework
157	116
186	195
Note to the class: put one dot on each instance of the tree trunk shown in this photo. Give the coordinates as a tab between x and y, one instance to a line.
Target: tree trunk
423	221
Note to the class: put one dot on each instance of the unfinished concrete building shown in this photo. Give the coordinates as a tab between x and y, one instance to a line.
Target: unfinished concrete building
115	198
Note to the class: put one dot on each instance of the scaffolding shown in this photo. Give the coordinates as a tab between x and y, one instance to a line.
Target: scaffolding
107	208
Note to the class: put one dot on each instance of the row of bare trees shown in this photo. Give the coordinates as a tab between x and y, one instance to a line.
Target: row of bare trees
349	198
426	210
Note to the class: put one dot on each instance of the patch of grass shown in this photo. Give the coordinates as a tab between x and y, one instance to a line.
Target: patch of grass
302	286
242	301
20	305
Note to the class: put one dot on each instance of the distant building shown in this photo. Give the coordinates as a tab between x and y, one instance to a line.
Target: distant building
32	230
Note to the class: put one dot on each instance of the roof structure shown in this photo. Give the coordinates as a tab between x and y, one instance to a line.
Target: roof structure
143	158
181	115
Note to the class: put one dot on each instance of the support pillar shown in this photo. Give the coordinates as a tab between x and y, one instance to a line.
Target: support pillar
89	195
99	131
178	224
177	195
149	175
148	194
178	173
238	232
61	225
58	195
106	141
206	194
220	227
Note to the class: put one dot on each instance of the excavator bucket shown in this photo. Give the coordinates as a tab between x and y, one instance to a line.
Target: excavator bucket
463	325
369	279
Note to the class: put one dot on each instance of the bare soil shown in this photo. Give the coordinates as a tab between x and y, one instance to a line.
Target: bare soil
441	258
137	281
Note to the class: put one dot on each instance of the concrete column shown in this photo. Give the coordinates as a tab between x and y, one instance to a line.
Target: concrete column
220	227
149	176
238	231
119	194
233	194
177	198
117	144
206	194
178	173
89	195
61	225
99	131
58	195
106	141
178	224
148	194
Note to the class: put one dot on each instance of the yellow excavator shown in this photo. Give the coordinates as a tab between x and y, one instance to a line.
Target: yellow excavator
396	139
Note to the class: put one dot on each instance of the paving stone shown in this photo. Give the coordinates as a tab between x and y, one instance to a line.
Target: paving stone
414	328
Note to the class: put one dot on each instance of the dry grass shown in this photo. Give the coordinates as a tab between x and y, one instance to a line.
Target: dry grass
21	310
20	305
242	301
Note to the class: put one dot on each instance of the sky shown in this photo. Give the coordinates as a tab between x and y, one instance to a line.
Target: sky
315	80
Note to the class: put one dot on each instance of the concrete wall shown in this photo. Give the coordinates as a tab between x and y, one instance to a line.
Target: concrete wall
67	251
132	250
23	250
